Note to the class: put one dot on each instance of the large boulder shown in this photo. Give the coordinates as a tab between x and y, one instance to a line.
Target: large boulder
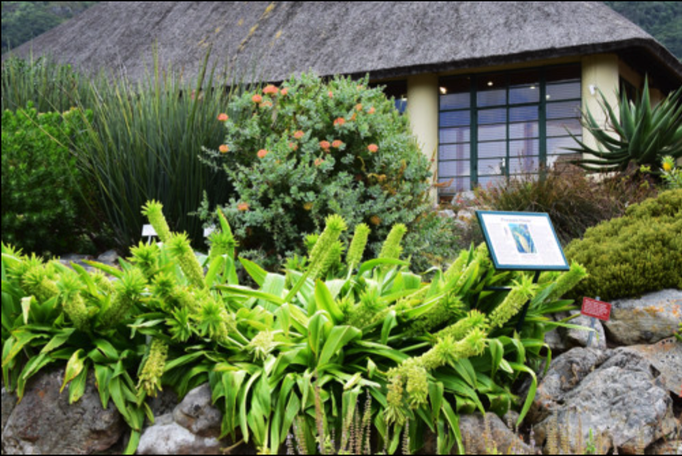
617	395
666	358
168	437
9	400
645	320
581	337
485	435
45	423
197	414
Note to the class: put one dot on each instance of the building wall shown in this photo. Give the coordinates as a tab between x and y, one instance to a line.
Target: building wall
600	73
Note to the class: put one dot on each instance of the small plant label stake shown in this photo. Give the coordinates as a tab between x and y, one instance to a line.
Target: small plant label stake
595	308
522	241
209	230
149	232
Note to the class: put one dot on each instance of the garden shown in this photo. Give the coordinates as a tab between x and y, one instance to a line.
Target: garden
302	296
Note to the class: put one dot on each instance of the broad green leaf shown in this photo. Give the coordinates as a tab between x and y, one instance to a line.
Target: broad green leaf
217	264
249	293
77	386
273	285
531	392
436	397
133	443
257	273
102	377
371	264
496	352
338	338
112	271
26	307
74	367
325	301
107	349
58	340
20	340
34	365
390	322
466	370
243	395
317	331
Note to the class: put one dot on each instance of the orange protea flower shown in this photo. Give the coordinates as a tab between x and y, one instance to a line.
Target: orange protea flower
358	107
223	148
353	117
372	110
222	117
339	121
270	89
331	94
299	134
308	206
284	91
337	143
256	98
293	146
372	148
243	207
324	144
262	153
318	161
266	104
375	220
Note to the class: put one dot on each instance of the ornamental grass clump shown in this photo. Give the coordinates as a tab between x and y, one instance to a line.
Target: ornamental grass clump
287	359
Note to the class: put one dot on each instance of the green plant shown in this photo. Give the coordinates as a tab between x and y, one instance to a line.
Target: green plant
307	149
637	132
670	173
42	190
294	355
633	254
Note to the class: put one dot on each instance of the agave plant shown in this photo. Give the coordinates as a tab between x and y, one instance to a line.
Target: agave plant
635	132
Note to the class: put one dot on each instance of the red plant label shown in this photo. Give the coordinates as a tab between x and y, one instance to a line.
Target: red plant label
596	309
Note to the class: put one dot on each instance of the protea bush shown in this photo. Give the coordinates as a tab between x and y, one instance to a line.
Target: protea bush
299	356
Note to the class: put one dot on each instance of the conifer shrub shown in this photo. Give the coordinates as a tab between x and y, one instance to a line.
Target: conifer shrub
42	188
634	254
307	149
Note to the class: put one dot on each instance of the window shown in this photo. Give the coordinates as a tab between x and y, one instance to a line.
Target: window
495	126
396	90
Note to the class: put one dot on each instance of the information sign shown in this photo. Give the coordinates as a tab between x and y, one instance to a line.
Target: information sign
596	309
522	241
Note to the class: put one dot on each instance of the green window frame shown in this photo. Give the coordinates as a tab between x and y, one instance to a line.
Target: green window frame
493	126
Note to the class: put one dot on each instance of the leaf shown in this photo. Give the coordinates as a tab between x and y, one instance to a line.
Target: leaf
249	293
371	264
466	370
436	392
496	352
20	340
183	360
317	331
273	285
107	349
531	391
133	443
58	340
74	367
216	265
325	301
26	307
112	271
390	322
102	377
77	386
257	273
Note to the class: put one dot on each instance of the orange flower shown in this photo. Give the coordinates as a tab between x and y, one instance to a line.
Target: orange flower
318	161
266	104
353	117
284	91
375	220
222	117
331	94
256	98
270	89
293	146
308	206
339	121
372	148
324	144
372	110
358	107
223	148
262	153
337	143
243	207
299	134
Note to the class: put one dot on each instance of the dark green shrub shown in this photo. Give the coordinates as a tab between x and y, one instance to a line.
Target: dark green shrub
42	205
634	254
573	201
298	153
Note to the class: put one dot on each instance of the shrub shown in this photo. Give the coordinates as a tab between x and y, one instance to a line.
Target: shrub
634	254
307	149
573	201
295	354
42	205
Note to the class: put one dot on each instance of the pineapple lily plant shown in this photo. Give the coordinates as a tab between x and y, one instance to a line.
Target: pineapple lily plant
295	355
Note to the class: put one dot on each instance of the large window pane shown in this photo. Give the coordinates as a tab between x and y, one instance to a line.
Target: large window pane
491	181
563	91
528	94
454	118
524	165
524	113
492	116
524	147
563	109
492	166
561	127
452	135
524	130
492	149
492	132
560	145
455	101
454	151
454	168
492	97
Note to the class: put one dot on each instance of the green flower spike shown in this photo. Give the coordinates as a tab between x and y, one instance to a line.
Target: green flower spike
128	292
222	241
37	282
153	210
324	245
150	377
456	267
146	257
391	248
567	281
262	345
181	250
459	330
70	287
521	292
357	245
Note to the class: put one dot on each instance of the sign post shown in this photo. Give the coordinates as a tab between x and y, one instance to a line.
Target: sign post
595	309
522	241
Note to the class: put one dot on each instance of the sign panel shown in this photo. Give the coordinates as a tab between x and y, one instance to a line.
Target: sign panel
596	309
148	231
522	241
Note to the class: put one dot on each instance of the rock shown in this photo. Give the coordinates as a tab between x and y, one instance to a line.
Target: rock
666	357
555	341
168	437
622	401
565	372
653	317
480	437
669	447
109	257
9	400
579	337
44	422
197	414
66	260
164	402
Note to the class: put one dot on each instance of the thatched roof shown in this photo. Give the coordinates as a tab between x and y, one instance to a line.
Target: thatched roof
386	39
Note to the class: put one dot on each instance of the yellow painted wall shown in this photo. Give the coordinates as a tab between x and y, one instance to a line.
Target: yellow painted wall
600	72
422	108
